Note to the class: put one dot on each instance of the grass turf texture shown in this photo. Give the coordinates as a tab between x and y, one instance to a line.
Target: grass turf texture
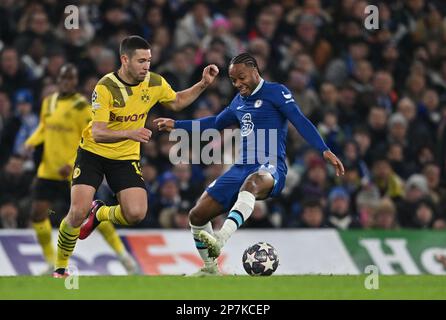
225	287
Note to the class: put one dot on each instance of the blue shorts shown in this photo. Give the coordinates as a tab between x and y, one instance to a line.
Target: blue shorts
226	188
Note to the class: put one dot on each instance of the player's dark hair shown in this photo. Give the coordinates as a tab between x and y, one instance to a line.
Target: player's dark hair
132	43
246	59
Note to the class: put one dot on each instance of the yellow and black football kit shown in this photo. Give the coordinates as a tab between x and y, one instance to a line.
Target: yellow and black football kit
62	120
123	107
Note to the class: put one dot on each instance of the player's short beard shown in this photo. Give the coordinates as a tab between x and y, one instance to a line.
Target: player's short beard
135	77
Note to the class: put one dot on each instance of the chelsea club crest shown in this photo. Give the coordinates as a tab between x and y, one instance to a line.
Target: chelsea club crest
258	103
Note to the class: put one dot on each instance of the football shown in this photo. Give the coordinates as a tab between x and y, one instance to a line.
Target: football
260	259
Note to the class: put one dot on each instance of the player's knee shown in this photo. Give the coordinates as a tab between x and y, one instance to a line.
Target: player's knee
38	215
196	217
250	185
77	215
135	214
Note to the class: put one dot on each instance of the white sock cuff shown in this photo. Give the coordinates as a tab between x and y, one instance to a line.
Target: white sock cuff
247	197
245	204
196	229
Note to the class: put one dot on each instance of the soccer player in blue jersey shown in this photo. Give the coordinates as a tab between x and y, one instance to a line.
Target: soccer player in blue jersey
259	105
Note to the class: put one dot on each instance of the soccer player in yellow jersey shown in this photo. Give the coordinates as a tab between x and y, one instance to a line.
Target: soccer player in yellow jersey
63	116
110	144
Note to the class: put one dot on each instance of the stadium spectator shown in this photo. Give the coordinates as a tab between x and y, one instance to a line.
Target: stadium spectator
366	203
28	119
259	217
387	181
175	217
168	196
416	189
9	216
339	70
315	183
5	110
13	73
354	160
37	26
330	130
350	113
377	126
307	32
189	189
425	214
299	84
15	183
385	216
339	214
431	172
194	25
312	215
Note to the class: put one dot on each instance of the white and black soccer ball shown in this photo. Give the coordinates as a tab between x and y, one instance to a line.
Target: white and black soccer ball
260	259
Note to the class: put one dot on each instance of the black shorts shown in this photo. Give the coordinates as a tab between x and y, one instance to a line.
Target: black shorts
51	190
90	169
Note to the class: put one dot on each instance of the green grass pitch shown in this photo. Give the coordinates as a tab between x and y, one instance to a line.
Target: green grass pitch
224	287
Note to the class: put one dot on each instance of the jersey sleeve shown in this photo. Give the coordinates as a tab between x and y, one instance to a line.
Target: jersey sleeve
284	101
37	137
167	94
85	116
222	120
101	100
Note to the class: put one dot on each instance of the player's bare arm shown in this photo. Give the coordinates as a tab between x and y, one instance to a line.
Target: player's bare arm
101	134
186	97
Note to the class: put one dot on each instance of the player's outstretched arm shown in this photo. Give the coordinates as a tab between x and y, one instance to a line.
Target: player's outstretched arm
309	132
186	97
222	120
167	124
101	134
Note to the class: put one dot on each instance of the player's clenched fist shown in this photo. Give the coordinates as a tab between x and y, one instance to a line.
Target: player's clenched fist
140	135
209	74
165	124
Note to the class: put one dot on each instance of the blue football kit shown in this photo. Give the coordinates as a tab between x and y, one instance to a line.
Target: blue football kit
263	121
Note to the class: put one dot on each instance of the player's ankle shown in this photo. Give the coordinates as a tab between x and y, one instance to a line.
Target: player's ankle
222	236
209	263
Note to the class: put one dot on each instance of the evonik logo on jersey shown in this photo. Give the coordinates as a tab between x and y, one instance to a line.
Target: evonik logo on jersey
131	117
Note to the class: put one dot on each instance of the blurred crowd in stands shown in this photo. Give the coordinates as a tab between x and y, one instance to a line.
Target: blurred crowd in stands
378	97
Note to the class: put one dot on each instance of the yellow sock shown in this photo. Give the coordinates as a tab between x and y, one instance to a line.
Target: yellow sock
66	243
43	232
113	214
110	235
